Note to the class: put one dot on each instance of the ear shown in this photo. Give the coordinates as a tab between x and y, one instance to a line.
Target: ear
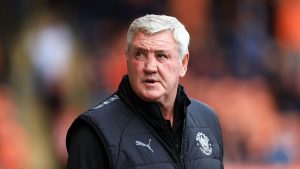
184	64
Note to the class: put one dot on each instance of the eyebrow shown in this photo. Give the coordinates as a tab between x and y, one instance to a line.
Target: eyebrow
140	49
146	50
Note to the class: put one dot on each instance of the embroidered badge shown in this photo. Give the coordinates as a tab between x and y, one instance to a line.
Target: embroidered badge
203	142
139	143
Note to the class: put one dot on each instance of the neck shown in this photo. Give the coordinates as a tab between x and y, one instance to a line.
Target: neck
167	107
168	113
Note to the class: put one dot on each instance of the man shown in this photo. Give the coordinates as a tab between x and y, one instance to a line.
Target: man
149	122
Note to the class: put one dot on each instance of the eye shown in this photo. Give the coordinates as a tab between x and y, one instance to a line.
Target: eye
140	55
161	56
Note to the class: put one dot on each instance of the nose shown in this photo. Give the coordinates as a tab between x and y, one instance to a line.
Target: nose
150	64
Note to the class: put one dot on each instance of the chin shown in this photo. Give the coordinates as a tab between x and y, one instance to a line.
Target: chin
150	97
149	94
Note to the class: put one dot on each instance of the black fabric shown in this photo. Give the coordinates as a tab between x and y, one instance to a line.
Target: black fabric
86	151
123	119
151	113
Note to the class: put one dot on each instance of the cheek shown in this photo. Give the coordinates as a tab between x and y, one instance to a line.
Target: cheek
169	72
172	69
134	67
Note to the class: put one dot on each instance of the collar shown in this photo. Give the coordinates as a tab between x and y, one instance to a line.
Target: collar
150	111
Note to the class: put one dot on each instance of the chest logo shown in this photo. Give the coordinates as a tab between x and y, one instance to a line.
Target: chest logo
203	142
139	143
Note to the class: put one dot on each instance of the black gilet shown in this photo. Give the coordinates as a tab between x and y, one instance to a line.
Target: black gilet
133	133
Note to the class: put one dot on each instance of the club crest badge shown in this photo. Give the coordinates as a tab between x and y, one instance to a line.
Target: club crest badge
203	142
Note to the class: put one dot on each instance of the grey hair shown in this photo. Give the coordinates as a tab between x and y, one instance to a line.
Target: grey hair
151	24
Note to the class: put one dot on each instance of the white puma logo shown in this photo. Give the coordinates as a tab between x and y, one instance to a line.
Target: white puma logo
138	143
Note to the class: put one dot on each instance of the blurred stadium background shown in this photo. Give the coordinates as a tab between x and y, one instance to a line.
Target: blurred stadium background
60	57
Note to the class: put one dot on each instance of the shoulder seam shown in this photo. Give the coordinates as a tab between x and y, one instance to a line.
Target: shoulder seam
107	101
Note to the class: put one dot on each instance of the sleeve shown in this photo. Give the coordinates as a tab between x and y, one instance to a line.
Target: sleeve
85	149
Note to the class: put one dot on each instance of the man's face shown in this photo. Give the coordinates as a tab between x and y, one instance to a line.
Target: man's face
154	66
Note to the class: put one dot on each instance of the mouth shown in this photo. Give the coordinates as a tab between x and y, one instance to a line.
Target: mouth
151	81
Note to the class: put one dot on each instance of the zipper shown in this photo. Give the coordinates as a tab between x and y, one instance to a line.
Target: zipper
181	156
178	156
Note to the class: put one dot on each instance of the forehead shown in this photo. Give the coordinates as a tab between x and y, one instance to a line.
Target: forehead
160	40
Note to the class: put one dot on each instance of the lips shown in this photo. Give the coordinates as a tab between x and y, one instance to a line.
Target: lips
150	81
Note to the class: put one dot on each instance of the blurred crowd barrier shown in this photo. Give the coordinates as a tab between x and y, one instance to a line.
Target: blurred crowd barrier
59	58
